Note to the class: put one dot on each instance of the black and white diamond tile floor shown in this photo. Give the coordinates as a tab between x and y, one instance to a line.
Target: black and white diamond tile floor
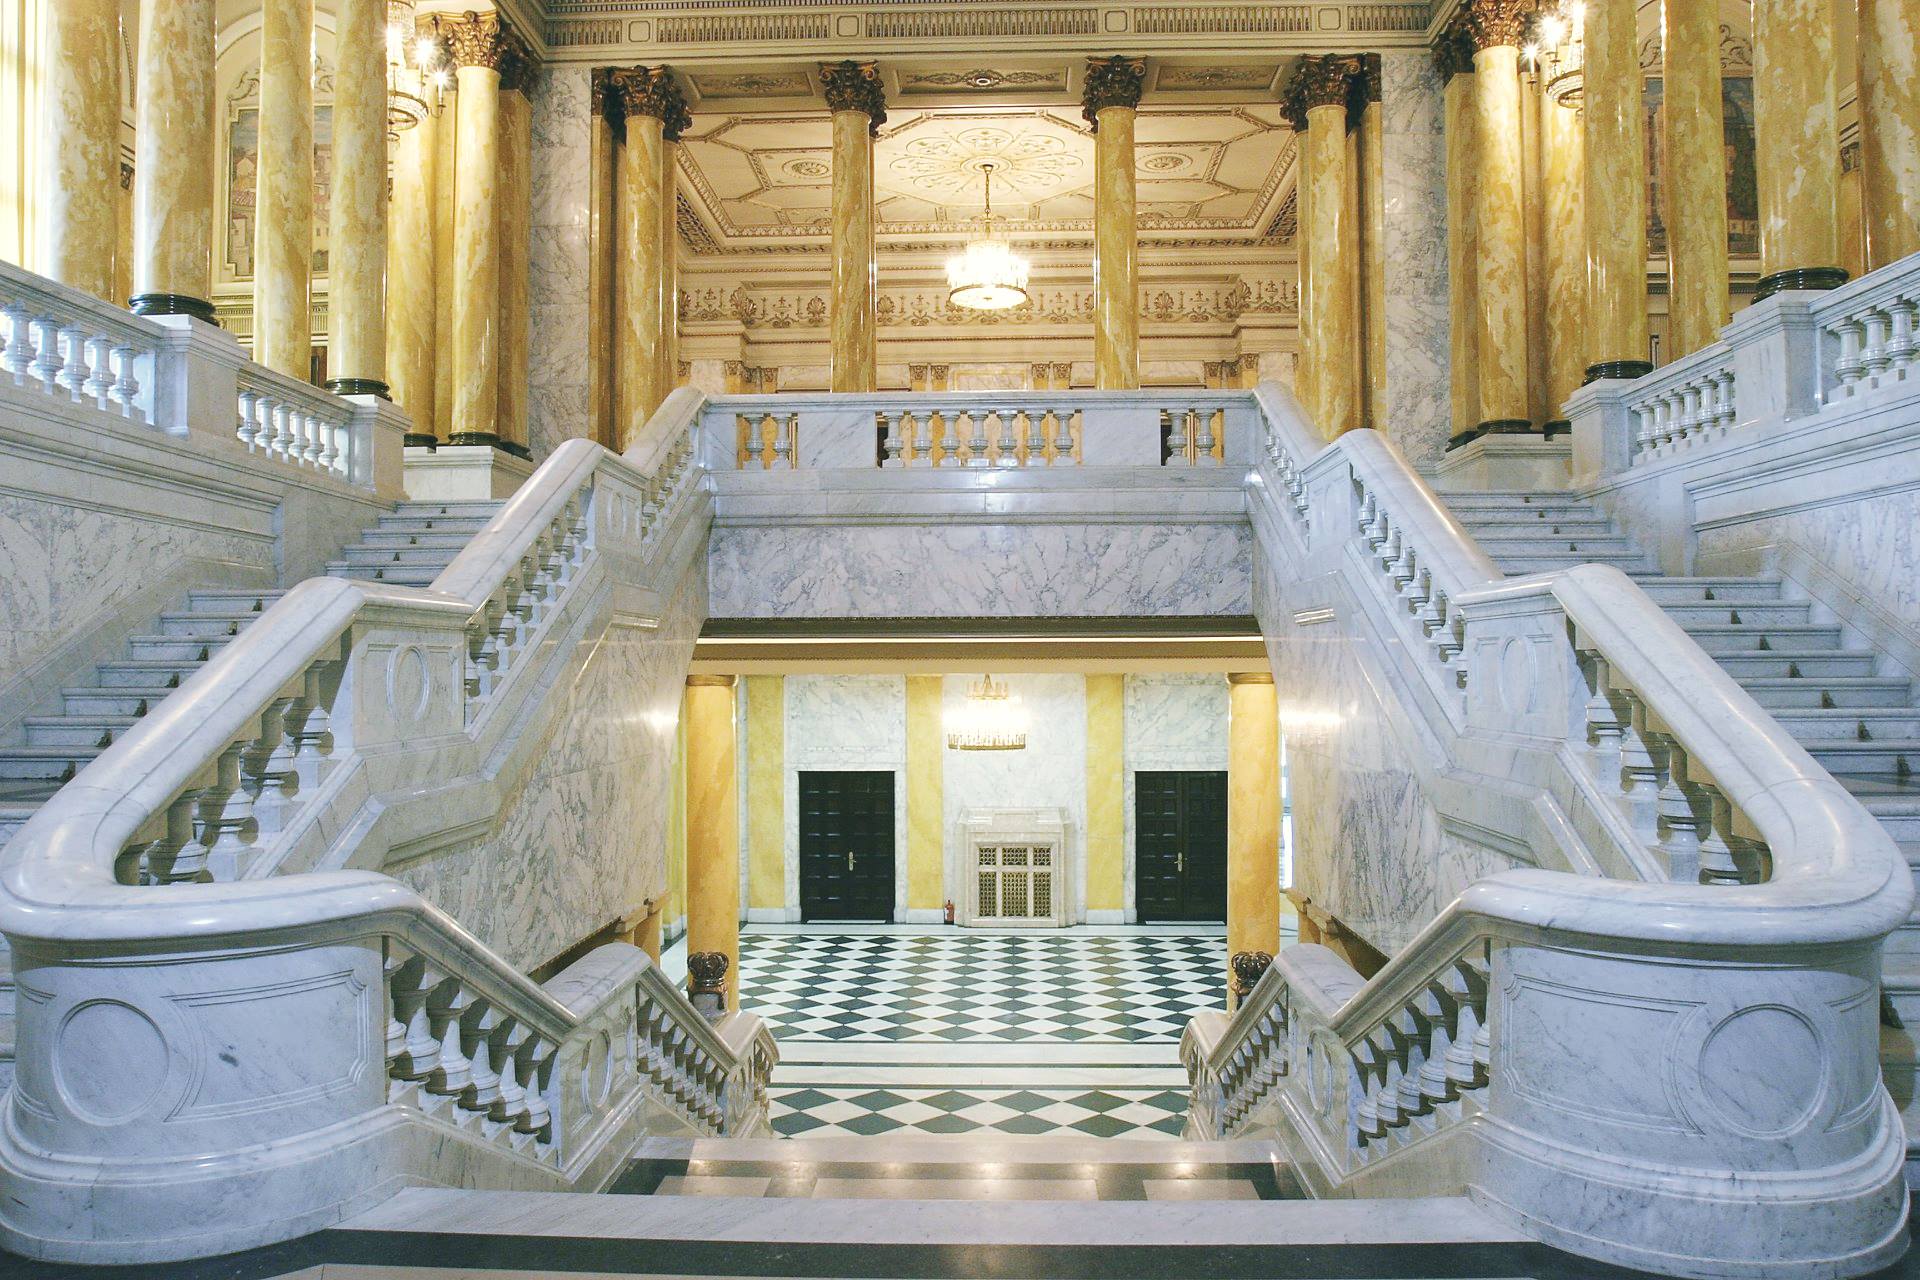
863	1109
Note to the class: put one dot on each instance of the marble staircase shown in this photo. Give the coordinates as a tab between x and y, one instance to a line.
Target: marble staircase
1852	708
413	543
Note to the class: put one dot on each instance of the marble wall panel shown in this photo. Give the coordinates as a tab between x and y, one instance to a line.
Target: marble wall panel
971	570
561	100
581	840
1413	161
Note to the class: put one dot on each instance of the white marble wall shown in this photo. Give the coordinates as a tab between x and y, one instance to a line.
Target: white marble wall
1172	721
1414	163
583	841
1025	570
561	99
1869	543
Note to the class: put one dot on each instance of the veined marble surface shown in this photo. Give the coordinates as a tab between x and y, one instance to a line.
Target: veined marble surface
1029	570
557	327
1413	160
584	839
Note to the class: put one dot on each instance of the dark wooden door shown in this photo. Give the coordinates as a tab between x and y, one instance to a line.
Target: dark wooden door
1180	846
846	846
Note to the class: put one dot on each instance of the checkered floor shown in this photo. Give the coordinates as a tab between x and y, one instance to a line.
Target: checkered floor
960	988
1100	1113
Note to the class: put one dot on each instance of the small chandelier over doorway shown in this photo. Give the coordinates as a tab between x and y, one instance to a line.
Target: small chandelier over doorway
991	720
987	275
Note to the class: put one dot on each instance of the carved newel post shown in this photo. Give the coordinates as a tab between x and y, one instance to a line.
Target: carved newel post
1248	968
707	983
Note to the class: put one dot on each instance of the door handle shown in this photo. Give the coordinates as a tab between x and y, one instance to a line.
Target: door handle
849	859
1180	861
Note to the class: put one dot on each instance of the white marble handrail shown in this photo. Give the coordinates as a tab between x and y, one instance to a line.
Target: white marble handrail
66	343
1873	331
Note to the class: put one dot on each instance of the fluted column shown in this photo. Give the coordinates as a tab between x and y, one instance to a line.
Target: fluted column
1454	54
1327	238
173	161
1253	814
283	199
357	215
1889	104
654	113
478	45
411	300
1616	159
1797	146
857	100
1695	174
516	237
1495	27
80	132
713	824
1563	189
1373	238
1109	99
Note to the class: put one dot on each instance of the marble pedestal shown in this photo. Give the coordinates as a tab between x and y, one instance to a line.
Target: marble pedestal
1505	462
463	473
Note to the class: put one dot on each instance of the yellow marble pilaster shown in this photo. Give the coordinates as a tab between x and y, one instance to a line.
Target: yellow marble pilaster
674	902
411	301
766	698
357	212
1495	27
654	114
283	209
1307	362
1889	106
1616	163
1563	183
1253	815
1373	238
479	46
80	125
1533	216
1352	245
174	160
1796	132
516	246
1454	56
926	796
1109	100
602	263
1694	173
1329	242
858	105
1106	793
1853	216
123	252
713	825
667	240
446	169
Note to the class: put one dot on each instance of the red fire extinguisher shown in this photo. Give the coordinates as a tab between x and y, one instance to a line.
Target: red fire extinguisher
949	910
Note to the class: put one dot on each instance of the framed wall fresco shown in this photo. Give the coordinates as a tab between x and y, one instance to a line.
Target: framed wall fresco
1743	193
242	181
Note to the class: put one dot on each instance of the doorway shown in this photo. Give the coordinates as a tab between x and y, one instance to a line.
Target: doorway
846	845
1180	846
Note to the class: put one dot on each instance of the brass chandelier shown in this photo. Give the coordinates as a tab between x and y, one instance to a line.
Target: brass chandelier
987	275
991	720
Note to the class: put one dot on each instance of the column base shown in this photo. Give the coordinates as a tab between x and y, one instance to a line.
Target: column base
473	437
1799	278
356	387
1504	460
171	304
463	473
1492	427
420	440
1627	369
1558	427
519	451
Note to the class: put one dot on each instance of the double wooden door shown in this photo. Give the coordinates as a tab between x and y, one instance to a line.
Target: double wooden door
846	845
1180	846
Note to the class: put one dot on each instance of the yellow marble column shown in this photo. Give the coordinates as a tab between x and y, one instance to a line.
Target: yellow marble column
667	238
926	796
283	192
174	161
654	111
80	132
857	100
1306	361
1373	238
1694	173
1109	99
1496	27
766	712
1327	240
446	168
602	259
1563	183
1616	223
357	214
1253	814
478	44
123	251
1889	106
1796	132
713	825
411	301
516	247
1106	798
1454	54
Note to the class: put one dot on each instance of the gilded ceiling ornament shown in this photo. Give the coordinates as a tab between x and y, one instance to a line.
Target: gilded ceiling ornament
650	91
855	86
1493	24
1117	81
473	39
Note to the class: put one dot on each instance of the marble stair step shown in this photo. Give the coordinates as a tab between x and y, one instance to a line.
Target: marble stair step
1854	692
1896	758
403	575
1829	724
1668	590
232	599
44	764
175	648
145	673
1808	637
1740	613
1814	665
1515	566
454	538
1489	525
1500	545
127	704
437	556
205	622
474	508
75	731
1892	800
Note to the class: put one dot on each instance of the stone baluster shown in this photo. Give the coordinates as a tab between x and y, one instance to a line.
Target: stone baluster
1680	806
1174	424
417	1054
898	427
1065	424
1642	765
923	438
754	428
786	443
1009	444
1719	860
949	441
1203	442
1036	435
977	441
155	861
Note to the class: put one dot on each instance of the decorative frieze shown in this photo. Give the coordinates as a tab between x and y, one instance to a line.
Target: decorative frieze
855	86
1117	81
1222	304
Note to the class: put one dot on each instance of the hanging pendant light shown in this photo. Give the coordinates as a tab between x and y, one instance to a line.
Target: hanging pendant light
991	720
988	275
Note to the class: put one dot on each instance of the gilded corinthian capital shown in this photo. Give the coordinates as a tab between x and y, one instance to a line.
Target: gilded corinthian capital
1111	82
648	91
1493	23
855	86
473	39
